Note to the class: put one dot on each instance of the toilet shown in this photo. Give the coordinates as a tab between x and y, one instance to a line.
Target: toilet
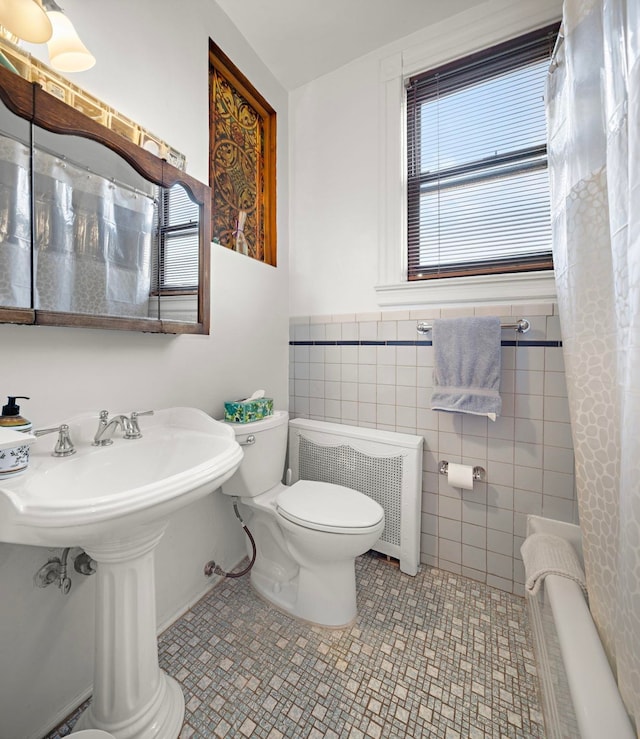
307	534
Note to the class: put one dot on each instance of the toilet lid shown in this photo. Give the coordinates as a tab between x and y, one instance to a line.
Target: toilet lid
328	507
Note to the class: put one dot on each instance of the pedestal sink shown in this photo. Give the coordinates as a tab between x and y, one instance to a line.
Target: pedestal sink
114	502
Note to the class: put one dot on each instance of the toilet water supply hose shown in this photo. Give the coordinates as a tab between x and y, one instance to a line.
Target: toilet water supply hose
211	568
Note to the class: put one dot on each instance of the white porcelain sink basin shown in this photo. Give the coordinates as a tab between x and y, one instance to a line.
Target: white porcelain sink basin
115	502
101	492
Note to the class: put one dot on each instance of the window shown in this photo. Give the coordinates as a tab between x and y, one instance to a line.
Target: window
176	269
477	190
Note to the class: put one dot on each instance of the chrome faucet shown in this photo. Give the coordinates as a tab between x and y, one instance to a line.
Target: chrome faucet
64	446
106	428
130	427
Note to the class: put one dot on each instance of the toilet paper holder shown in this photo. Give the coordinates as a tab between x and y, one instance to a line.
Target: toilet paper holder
479	473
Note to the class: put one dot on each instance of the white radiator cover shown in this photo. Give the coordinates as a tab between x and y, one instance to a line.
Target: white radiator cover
385	465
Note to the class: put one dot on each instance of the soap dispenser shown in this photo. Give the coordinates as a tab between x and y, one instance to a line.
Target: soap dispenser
14	455
11	417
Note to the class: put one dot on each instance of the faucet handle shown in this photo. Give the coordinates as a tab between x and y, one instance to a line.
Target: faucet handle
104	416
133	430
64	446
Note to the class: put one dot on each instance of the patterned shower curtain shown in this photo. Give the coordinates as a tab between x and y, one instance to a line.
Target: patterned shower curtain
593	109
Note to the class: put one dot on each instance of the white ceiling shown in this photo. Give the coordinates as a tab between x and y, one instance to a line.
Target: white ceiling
300	40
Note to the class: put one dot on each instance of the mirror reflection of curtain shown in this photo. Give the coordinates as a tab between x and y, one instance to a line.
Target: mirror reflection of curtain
15	225
53	254
93	242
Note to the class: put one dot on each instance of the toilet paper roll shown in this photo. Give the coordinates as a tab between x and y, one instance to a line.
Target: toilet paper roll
460	476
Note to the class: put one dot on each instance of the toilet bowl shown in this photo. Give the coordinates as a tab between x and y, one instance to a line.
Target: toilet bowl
91	734
307	534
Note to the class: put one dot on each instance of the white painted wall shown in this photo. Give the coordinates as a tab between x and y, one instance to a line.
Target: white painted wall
152	67
341	173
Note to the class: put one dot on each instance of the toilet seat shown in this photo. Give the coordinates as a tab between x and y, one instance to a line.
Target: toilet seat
324	506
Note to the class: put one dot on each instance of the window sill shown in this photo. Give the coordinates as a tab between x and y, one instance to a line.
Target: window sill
521	287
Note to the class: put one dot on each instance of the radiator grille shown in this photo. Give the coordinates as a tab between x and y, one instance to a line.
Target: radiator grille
378	477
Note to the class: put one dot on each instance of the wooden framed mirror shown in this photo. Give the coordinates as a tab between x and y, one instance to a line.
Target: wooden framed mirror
95	231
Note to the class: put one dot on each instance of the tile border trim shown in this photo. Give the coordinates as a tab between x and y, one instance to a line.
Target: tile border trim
394	342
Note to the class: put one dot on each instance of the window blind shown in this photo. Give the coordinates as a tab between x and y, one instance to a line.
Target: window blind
176	267
477	189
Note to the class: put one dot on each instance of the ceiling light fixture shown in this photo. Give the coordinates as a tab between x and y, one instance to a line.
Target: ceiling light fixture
67	53
44	21
26	19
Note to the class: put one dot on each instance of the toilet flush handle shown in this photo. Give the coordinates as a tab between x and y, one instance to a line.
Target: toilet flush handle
249	441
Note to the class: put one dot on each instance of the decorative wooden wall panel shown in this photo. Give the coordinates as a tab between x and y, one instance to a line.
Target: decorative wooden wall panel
242	146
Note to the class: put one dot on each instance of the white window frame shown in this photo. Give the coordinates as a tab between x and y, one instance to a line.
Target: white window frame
489	24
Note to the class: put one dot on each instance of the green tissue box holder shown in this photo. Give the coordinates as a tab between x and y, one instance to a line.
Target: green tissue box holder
252	410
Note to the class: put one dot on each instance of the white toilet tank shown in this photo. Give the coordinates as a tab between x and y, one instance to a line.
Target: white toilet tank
263	464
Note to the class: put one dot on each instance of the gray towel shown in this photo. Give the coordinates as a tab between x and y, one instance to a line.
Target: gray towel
466	375
547	554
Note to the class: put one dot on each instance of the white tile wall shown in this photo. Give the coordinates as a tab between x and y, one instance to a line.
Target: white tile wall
527	452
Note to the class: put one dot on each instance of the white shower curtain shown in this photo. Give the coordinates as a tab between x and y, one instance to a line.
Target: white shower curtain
593	108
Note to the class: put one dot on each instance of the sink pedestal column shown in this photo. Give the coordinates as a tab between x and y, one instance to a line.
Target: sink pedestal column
132	697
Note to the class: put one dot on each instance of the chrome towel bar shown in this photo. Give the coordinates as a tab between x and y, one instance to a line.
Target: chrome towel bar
522	325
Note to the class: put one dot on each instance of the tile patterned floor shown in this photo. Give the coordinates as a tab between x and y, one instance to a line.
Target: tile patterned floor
434	655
